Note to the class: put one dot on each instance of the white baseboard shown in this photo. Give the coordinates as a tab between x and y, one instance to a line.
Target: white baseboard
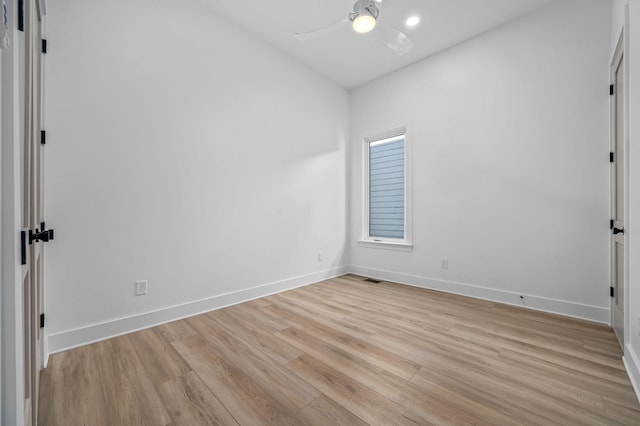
562	307
632	364
69	339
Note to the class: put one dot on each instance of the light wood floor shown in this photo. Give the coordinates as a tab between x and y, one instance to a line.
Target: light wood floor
348	352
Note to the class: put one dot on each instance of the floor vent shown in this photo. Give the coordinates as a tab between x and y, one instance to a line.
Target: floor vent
371	280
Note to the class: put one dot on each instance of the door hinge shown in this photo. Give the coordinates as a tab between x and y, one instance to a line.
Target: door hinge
43	137
611	293
610	223
20	15
23	247
611	90
43	235
44	45
41	320
611	157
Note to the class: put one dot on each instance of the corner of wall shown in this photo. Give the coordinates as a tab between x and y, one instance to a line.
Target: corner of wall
70	339
538	303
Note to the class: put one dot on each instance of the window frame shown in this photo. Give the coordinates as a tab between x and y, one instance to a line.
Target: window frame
402	244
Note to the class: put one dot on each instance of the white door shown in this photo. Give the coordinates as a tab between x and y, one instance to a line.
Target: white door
32	207
617	201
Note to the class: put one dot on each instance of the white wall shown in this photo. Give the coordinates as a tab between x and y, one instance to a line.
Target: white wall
184	152
510	138
632	225
246	153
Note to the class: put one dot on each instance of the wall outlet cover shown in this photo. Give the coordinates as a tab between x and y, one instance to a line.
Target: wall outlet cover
141	288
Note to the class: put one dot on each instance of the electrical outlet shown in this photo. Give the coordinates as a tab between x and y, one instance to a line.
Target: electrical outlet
141	288
320	257
444	263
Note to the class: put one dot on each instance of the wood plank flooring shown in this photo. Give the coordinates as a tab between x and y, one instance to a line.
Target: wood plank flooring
348	352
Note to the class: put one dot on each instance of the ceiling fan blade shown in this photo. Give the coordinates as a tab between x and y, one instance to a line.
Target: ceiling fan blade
396	40
321	31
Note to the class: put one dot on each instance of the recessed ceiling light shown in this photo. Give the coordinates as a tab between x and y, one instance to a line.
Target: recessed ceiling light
413	21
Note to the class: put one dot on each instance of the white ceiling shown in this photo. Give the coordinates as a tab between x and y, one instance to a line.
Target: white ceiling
351	59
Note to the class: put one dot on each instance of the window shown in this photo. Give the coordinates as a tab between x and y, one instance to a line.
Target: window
386	221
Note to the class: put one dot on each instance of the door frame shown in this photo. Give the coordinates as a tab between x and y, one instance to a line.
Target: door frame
621	48
11	188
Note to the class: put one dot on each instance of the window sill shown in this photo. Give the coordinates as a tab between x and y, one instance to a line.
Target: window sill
386	245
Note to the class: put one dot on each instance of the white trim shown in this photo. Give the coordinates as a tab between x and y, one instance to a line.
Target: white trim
632	365
44	344
69	339
627	171
404	244
562	307
42	8
1	250
385	244
12	383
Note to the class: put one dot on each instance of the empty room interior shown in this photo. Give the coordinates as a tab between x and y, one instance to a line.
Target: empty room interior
319	212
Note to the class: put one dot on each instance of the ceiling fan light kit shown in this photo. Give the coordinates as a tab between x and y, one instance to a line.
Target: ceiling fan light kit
364	19
363	24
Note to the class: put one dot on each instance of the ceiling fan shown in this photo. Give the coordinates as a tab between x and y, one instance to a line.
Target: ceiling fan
364	19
